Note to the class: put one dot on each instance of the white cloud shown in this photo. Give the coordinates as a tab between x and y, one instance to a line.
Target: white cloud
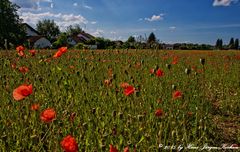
62	20
52	5
97	33
155	18
87	7
172	28
93	22
112	32
75	4
34	4
223	2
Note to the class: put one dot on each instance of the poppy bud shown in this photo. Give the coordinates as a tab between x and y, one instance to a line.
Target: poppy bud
114	131
168	66
140	117
120	115
103	147
85	126
174	87
93	110
114	76
187	71
156	67
114	113
202	61
103	114
129	143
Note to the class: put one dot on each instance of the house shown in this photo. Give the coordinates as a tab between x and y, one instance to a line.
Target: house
82	38
35	39
167	46
79	38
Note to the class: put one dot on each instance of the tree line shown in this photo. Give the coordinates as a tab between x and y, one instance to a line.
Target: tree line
233	45
12	33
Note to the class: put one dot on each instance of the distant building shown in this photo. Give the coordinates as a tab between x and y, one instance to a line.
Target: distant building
167	46
79	38
82	38
35	39
118	43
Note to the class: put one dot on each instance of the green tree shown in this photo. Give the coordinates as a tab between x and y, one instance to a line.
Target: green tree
61	41
11	29
101	43
130	43
219	44
74	30
48	28
151	38
90	42
231	44
131	39
236	44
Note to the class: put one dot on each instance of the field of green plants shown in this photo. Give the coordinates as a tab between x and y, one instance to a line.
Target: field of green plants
119	100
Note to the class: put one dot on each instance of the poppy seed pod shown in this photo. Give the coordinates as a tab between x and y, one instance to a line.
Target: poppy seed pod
120	115
168	66
93	110
202	61
140	117
156	67
187	71
114	113
174	87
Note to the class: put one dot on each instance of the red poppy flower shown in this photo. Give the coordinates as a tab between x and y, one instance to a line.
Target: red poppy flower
47	60
48	115
158	112
22	91
175	60
58	54
177	94
69	144
71	67
23	69
189	113
129	90
14	65
200	71
20	48
21	53
35	107
32	52
126	149
113	149
159	73
194	68
152	71
107	82
124	85
63	49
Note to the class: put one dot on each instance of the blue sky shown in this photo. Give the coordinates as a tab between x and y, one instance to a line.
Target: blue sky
196	21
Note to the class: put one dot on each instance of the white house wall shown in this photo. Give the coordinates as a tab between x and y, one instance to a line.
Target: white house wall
42	43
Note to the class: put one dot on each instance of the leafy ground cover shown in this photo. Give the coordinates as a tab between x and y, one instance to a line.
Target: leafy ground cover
123	99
